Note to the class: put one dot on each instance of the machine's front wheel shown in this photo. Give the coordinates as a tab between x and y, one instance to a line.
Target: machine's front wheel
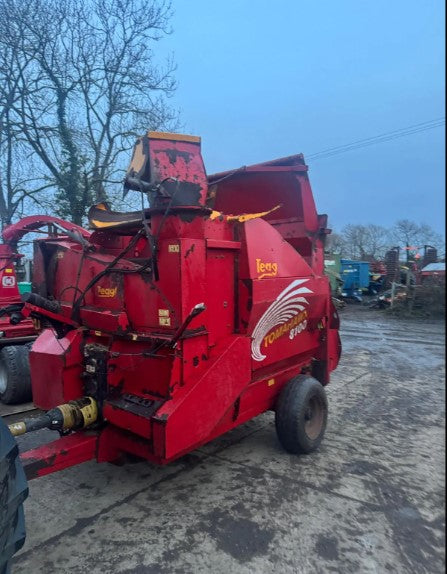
13	491
15	378
301	415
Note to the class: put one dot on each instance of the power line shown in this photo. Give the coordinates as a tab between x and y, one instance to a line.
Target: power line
422	124
387	136
373	142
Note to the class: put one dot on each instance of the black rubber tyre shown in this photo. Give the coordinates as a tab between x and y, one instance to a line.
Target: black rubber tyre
301	415
15	378
13	491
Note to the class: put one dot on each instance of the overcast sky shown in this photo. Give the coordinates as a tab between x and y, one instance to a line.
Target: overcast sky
260	79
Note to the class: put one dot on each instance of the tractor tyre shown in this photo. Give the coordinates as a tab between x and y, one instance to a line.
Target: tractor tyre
301	415
13	491
15	377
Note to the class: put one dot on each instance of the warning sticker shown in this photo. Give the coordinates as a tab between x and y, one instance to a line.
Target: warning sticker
9	281
163	318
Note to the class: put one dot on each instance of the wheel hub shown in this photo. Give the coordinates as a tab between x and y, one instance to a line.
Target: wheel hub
314	418
3	378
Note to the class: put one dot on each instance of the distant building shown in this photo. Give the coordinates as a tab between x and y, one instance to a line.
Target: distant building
433	273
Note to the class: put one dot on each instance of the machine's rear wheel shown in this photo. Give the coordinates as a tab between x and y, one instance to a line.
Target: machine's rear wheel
13	491
301	415
15	378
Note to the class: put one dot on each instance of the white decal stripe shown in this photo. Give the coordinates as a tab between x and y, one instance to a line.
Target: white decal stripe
272	312
280	303
288	304
289	311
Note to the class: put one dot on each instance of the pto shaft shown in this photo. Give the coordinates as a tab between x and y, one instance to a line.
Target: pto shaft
69	416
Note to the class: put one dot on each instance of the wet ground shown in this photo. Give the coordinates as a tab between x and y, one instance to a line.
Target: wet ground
370	501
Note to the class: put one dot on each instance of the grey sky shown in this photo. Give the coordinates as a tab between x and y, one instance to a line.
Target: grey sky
259	80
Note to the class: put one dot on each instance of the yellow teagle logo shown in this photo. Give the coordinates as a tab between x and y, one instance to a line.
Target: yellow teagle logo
266	269
106	291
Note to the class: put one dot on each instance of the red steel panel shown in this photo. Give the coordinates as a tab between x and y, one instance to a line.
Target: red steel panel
59	454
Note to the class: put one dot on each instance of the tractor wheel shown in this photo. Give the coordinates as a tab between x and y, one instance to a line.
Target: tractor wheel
15	378
301	415
13	491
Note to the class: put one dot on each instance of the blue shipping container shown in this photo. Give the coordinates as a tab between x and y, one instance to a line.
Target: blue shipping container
355	275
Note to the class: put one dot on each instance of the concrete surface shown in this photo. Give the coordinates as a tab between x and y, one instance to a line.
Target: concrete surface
370	501
9	410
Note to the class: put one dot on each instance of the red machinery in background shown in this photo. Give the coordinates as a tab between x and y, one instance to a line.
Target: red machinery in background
174	324
17	333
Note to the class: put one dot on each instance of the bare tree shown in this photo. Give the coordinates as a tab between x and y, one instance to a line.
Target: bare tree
365	242
409	234
335	243
15	172
90	85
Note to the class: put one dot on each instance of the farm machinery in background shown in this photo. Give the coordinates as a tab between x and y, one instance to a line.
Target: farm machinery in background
352	280
420	280
16	332
172	325
332	268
